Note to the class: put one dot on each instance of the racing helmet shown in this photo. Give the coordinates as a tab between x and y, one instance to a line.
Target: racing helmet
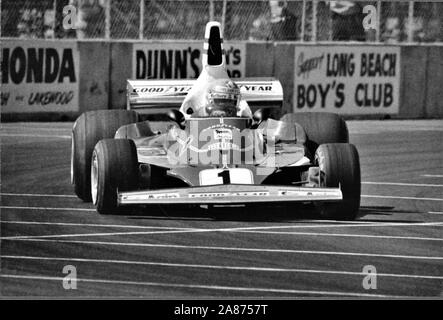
222	99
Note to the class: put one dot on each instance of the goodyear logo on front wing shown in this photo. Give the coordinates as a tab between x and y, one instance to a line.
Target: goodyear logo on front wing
163	196
229	194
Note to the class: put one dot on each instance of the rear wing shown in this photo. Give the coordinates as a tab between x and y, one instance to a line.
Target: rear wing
156	96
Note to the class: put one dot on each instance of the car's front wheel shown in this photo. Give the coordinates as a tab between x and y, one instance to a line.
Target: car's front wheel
340	167
114	167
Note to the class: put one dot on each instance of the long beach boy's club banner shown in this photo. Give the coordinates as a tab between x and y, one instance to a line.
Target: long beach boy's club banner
346	79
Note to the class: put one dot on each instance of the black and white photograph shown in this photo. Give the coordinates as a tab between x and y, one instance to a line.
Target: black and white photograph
221	155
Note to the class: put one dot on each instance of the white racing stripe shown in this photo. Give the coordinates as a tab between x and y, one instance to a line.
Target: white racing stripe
432	175
206	287
239	249
403	184
202	230
219	267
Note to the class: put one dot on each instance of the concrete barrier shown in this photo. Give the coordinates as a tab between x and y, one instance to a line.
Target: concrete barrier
413	81
434	83
120	69
95	57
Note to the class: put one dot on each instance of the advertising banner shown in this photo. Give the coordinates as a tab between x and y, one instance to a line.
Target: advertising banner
181	60
347	79
39	76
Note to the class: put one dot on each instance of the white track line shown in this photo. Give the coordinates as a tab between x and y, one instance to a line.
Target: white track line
37	195
92	225
246	231
207	287
403	184
200	230
396	197
239	249
46	208
24	135
435	212
316	234
432	175
219	267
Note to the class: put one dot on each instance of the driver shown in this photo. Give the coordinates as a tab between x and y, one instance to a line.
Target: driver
222	99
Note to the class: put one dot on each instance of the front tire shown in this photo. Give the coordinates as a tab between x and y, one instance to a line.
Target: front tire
114	167
340	166
88	129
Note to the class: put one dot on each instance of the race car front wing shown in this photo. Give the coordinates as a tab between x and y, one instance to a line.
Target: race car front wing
230	193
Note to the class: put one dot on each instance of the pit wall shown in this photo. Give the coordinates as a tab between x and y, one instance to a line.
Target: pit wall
59	79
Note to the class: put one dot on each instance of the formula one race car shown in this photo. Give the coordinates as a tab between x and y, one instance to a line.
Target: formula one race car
214	150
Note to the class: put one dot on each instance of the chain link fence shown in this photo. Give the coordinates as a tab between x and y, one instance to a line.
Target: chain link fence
292	20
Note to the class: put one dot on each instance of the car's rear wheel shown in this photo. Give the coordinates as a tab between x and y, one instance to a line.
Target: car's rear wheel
320	128
114	167
340	167
88	129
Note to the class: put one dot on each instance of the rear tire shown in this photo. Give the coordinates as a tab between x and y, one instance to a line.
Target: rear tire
340	166
320	128
114	167
88	129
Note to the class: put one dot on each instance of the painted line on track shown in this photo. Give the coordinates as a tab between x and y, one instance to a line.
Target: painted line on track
220	267
402	184
46	208
435	212
90	225
344	235
402	198
206	287
316	234
37	195
239	249
432	175
201	230
25	135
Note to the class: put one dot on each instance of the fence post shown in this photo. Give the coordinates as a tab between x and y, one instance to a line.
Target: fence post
108	19
142	21
223	19
211	10
378	28
303	21
314	20
410	21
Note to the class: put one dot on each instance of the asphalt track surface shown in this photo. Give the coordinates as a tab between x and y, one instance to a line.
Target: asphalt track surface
226	252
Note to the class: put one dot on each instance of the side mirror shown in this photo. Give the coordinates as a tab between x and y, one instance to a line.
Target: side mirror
261	115
177	117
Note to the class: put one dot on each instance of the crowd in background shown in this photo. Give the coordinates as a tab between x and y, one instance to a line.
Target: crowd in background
243	20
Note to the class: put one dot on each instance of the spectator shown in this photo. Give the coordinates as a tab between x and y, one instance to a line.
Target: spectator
347	21
90	18
283	21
